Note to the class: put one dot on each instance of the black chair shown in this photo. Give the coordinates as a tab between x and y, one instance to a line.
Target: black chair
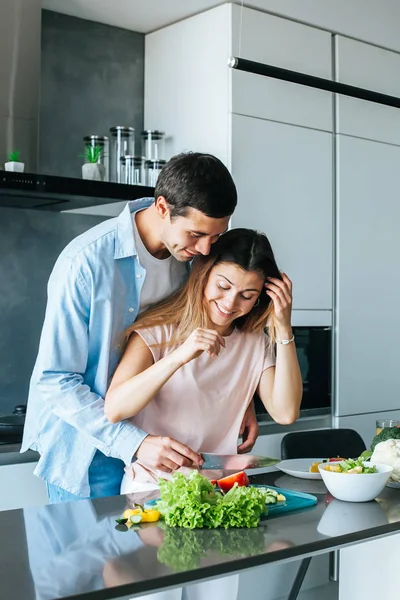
319	443
322	443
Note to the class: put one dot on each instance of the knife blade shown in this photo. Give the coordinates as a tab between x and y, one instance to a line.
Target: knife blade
237	462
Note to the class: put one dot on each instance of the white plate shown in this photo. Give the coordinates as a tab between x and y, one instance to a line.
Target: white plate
299	467
393	484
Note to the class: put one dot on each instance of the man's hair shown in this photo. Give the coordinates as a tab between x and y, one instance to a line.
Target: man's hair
199	181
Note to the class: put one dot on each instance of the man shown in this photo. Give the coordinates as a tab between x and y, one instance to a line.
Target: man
100	283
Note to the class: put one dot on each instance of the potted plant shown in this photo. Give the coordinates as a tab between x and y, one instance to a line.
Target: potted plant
93	169
14	163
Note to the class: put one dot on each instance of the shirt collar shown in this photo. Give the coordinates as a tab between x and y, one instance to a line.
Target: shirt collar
124	240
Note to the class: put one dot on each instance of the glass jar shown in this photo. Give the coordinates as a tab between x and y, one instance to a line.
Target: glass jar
134	170
153	169
384	423
153	144
122	144
104	158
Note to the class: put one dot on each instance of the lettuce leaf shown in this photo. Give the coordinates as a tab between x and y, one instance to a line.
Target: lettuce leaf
192	502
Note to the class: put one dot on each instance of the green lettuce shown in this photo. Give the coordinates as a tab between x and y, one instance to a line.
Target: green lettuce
192	502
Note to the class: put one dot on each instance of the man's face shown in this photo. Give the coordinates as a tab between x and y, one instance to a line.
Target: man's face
185	237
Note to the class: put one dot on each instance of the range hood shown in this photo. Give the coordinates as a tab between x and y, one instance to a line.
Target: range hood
20	40
47	192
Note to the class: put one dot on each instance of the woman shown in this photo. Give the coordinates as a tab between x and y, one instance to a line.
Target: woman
193	363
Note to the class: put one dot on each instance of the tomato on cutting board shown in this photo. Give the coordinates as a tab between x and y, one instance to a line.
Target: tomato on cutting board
226	483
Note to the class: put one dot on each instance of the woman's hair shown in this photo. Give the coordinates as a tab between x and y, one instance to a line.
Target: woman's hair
187	310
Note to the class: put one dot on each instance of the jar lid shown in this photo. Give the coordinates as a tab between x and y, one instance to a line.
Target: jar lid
152	133
97	138
136	160
155	164
120	129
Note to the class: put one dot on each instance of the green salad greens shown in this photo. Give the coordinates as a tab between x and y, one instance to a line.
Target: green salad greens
192	502
182	549
352	466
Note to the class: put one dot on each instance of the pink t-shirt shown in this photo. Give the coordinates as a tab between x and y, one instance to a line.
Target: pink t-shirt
202	405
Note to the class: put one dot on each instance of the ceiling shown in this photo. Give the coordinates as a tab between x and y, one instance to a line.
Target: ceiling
374	22
138	15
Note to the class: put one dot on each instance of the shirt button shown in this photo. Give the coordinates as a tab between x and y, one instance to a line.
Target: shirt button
131	309
138	276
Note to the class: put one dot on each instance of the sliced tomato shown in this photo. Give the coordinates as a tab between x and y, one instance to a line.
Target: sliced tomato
213	481
226	483
336	459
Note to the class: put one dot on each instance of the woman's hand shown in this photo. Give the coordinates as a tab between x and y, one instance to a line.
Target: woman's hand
199	341
281	294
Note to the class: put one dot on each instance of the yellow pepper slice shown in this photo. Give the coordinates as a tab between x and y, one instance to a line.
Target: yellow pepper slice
150	516
131	511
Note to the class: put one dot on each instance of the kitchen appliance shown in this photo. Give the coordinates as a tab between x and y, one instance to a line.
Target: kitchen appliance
314	352
122	144
12	426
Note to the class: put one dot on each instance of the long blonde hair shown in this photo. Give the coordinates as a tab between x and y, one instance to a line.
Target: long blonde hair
186	309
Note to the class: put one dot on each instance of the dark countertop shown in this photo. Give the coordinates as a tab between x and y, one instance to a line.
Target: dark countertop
10	455
74	550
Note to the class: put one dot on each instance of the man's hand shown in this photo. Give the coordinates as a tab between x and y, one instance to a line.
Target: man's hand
248	430
166	454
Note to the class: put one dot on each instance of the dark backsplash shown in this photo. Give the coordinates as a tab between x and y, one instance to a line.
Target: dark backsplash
92	78
30	242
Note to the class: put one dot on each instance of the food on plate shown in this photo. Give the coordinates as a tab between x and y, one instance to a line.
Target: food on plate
350	466
314	466
388	453
388	433
226	483
194	502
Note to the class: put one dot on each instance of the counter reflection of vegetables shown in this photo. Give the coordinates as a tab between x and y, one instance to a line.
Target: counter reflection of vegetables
182	549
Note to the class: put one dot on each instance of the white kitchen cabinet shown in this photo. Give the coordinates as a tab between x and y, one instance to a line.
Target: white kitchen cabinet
274	136
368	282
372	68
20	488
284	178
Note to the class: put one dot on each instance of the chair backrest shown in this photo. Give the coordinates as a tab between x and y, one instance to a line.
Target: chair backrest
322	443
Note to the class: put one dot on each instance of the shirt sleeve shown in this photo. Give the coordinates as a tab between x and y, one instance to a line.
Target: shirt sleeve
62	362
155	338
269	354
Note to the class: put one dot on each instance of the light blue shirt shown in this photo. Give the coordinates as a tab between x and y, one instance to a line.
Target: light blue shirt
93	296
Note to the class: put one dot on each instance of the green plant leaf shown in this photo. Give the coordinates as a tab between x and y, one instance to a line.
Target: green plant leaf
92	153
14	156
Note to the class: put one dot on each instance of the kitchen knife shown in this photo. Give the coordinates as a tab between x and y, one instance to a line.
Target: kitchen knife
237	462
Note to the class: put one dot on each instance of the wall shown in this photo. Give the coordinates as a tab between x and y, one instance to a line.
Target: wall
92	79
30	242
19	79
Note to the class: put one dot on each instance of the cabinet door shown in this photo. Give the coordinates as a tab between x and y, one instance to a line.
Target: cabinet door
374	69
282	43
368	291
284	178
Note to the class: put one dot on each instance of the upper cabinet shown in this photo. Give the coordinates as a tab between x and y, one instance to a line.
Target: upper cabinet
281	43
372	68
284	178
274	136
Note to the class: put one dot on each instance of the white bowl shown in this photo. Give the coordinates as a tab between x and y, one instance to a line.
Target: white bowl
355	487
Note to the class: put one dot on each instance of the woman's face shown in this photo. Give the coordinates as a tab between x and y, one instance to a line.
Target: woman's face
231	293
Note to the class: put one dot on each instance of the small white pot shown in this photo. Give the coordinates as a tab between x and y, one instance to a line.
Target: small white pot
93	171
16	167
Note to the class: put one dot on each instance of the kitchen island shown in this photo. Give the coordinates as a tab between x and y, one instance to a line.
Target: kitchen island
76	549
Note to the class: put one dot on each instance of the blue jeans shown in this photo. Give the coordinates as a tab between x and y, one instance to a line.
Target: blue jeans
105	476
